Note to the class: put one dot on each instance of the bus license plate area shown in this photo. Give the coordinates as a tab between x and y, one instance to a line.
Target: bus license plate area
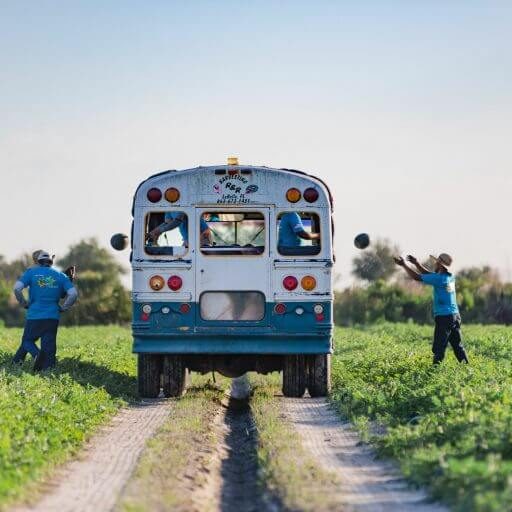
233	306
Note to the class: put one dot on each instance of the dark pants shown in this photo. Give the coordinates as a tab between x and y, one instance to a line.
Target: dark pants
447	330
35	329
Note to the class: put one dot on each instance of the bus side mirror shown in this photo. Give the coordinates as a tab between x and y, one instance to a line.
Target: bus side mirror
119	241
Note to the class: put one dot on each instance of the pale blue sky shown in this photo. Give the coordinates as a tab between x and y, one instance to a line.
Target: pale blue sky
404	107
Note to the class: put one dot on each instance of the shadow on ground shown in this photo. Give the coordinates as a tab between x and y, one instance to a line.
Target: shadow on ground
86	373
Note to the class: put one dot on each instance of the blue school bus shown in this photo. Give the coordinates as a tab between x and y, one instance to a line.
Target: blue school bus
232	272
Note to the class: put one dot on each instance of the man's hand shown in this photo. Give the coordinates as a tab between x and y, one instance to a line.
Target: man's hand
412	259
399	261
71	272
153	235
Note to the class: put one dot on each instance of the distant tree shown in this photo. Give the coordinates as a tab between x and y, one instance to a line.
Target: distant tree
102	297
10	312
376	262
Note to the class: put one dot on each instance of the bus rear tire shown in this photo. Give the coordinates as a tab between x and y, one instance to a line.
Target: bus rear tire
148	375
294	376
174	376
319	374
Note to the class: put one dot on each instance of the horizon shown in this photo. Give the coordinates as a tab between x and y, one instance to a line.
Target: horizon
404	110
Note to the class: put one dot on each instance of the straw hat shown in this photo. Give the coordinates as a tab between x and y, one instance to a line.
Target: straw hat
443	259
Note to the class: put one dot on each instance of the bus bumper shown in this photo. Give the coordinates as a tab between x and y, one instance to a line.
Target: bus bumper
240	344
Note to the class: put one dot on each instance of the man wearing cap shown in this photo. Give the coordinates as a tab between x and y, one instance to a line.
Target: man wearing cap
446	311
46	287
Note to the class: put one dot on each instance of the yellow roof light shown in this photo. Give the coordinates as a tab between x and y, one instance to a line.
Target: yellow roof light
232	160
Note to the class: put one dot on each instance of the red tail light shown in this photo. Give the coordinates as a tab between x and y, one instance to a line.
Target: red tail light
154	195
175	283
310	195
290	283
185	308
280	309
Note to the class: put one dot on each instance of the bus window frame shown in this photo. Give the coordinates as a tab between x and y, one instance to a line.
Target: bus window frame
143	230
321	247
265	211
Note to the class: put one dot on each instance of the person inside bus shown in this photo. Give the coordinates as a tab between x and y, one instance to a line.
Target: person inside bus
292	231
173	220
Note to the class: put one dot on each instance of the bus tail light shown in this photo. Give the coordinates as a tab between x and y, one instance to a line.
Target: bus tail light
154	195
318	309
308	283
156	283
310	195
280	309
319	312
293	195
290	283
185	308
175	283
146	310
172	194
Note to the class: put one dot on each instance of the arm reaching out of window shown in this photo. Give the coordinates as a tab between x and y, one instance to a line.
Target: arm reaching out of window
170	223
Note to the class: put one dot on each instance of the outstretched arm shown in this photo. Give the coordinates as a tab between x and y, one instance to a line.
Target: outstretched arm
308	236
412	273
165	226
418	265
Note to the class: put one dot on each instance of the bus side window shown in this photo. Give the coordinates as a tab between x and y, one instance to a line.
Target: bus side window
298	234
166	233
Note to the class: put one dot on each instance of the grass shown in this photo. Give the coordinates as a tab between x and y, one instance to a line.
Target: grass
450	426
288	471
45	418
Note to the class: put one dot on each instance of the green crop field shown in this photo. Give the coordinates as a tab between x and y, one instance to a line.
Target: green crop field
44	418
450	427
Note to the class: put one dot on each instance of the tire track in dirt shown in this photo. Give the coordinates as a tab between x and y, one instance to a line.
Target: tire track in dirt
367	484
234	484
94	481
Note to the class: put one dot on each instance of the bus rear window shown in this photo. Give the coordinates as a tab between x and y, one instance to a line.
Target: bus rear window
232	234
166	233
298	234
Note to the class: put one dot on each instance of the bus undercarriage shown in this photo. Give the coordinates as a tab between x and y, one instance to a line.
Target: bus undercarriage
170	371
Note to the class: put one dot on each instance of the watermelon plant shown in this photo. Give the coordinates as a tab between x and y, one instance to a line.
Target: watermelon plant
449	426
46	417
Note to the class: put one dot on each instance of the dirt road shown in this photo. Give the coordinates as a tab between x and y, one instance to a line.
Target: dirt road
366	484
98	480
93	482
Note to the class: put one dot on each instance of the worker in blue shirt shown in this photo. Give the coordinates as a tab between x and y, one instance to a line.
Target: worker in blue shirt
292	231
446	311
47	287
173	220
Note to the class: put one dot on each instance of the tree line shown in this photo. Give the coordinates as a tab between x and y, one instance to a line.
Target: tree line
380	295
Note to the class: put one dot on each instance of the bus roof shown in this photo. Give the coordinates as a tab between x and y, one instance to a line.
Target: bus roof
231	185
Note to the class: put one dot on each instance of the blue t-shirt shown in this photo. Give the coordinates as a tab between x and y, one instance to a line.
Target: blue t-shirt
183	226
46	287
445	300
289	226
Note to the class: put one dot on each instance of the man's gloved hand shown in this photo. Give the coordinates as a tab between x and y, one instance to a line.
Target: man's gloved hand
71	272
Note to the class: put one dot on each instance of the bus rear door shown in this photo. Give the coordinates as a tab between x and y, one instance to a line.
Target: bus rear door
232	267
